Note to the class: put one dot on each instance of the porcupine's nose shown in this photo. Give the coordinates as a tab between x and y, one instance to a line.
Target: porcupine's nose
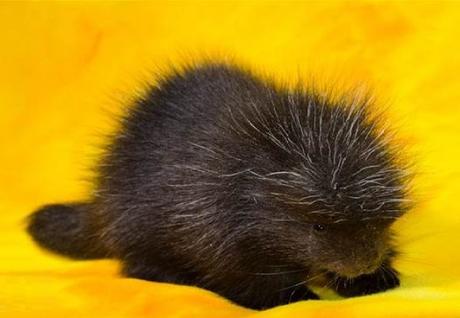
353	270
357	264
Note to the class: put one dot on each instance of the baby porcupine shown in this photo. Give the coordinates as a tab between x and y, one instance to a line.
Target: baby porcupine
223	180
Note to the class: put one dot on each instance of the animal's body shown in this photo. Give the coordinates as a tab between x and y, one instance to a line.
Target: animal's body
222	180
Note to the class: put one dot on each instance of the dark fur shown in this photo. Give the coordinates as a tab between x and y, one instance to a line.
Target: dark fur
222	180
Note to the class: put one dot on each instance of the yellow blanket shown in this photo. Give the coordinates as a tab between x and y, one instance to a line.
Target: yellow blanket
66	68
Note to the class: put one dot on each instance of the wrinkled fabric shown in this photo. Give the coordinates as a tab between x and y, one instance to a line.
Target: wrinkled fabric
68	69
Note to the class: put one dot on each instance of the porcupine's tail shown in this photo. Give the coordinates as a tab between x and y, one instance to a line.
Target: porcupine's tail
65	229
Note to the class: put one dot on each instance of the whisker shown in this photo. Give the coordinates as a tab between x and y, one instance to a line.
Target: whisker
385	270
309	279
276	273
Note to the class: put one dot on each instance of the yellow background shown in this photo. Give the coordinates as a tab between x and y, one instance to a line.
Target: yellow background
67	68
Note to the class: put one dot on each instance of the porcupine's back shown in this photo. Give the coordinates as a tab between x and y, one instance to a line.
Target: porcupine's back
176	157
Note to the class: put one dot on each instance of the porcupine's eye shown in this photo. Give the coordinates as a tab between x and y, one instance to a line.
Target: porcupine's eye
319	227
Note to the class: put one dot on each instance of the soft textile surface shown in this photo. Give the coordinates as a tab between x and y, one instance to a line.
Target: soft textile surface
67	68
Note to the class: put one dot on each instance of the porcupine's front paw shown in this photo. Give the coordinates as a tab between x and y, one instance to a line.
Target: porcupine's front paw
381	280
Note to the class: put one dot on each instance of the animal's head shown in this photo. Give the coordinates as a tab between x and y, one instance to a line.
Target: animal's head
322	184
